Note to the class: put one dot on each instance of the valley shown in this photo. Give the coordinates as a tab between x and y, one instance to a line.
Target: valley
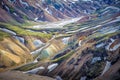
59	40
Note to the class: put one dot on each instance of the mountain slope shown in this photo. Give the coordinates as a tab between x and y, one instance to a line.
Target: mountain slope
47	10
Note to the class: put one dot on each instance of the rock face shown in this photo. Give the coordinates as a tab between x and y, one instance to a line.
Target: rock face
13	53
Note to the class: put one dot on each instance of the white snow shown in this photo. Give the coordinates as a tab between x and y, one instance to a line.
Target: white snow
58	78
87	0
65	0
7	8
35	61
65	40
114	48
37	43
43	0
37	4
21	39
75	0
8	31
52	66
85	11
36	19
24	3
100	45
107	66
34	71
15	14
80	42
83	78
48	11
112	7
95	59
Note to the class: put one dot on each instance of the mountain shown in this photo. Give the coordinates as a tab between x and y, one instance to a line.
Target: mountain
48	10
62	39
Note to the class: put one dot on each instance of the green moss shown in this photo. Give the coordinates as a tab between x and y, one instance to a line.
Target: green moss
63	57
21	31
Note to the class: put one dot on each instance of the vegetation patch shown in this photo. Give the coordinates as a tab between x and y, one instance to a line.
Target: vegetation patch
21	31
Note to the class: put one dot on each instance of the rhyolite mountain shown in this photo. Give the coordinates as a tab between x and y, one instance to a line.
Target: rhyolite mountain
48	10
61	39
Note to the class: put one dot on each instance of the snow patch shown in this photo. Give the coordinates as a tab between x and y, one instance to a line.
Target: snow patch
7	8
107	66
37	43
65	0
24	3
65	40
100	45
52	66
114	48
87	0
83	78
15	14
36	19
95	59
58	78
8	31
48	11
112	7
34	71
21	39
